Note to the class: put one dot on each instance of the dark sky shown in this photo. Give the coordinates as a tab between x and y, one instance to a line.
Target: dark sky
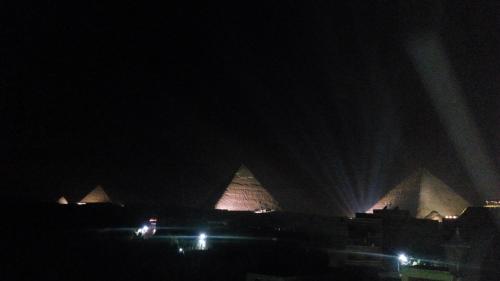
161	104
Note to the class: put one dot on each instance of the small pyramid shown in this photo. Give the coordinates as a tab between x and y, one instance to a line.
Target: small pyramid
62	201
422	193
435	216
245	193
97	195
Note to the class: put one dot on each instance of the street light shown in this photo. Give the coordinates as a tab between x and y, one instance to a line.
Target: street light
402	259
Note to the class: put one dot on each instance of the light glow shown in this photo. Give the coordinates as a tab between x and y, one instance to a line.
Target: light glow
403	259
143	230
202	242
492	204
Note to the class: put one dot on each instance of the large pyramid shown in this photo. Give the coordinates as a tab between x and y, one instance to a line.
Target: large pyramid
421	194
97	195
245	193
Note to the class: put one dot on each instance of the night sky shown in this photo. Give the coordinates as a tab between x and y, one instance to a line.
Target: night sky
161	104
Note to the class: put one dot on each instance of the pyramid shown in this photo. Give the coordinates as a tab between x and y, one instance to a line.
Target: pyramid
245	193
422	194
62	201
435	216
97	195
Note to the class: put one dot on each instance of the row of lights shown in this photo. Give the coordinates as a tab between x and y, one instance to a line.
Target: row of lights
148	230
492	204
451	217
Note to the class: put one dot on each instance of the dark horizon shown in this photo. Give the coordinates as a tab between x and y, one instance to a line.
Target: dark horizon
162	104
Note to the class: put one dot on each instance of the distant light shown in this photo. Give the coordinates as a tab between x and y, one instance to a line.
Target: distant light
143	230
403	259
262	211
202	242
81	203
181	250
492	204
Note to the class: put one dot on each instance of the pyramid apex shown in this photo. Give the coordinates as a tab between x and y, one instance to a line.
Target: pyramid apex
243	171
245	193
425	171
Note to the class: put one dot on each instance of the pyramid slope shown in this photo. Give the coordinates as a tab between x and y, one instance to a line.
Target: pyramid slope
245	193
97	195
421	194
435	195
402	196
62	201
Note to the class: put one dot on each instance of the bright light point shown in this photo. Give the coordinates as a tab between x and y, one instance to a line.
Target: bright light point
181	250
202	242
403	259
143	230
81	203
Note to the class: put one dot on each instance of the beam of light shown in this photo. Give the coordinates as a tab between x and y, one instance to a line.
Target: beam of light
115	229
362	253
343	178
215	237
132	229
401	258
429	57
330	176
175	236
176	227
314	145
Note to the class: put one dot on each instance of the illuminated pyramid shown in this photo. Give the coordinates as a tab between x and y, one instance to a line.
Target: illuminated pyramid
422	194
62	201
97	195
245	193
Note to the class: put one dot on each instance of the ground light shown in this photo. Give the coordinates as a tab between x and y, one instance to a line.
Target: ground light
141	231
202	241
402	260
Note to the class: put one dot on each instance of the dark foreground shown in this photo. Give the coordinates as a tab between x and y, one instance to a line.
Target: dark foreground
54	242
48	242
